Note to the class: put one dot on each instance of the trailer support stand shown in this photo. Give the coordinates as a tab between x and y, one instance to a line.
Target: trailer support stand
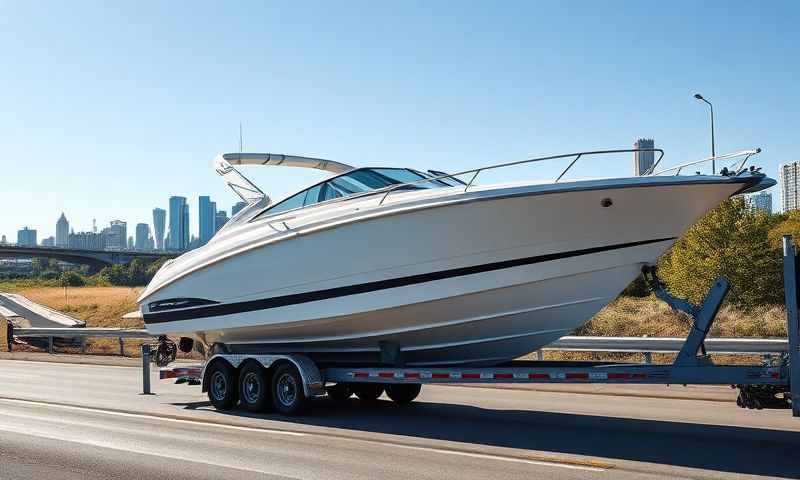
702	316
703	319
793	329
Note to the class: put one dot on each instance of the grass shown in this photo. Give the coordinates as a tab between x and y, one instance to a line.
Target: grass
637	317
97	306
625	316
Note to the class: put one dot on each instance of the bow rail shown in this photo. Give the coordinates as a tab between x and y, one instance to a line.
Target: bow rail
577	156
743	153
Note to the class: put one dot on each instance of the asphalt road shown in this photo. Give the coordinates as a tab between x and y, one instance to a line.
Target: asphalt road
87	421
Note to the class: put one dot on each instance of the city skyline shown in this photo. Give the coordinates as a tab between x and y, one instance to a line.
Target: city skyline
536	78
66	235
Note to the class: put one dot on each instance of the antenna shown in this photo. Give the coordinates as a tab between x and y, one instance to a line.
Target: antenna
240	138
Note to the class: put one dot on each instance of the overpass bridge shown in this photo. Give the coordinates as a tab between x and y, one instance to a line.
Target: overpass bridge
96	259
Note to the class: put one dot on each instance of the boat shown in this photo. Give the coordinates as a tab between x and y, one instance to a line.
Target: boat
396	265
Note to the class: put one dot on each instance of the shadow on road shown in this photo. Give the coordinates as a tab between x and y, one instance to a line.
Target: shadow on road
731	449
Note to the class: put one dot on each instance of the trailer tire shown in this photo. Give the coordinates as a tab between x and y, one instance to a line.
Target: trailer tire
222	385
367	392
287	389
255	393
403	393
339	392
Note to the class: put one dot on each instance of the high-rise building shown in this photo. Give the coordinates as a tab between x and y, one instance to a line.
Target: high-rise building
643	161
26	237
206	213
142	241
62	232
788	183
115	236
3	240
86	240
130	242
49	241
159	222
186	226
237	208
178	224
220	219
759	202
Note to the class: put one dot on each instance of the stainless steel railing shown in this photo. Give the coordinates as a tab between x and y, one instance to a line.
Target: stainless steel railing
577	156
743	153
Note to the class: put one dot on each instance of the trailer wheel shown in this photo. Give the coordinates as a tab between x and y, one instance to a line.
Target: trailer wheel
222	391
403	393
287	390
339	392
254	388
367	392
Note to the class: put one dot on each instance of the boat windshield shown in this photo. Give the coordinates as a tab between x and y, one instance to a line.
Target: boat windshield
354	182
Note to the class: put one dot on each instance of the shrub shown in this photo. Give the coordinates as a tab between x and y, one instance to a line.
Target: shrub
72	279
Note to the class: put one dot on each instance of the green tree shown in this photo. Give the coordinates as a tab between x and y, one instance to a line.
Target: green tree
151	270
71	279
115	275
789	225
729	241
136	272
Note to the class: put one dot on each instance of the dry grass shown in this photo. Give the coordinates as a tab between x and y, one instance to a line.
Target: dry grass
97	306
637	317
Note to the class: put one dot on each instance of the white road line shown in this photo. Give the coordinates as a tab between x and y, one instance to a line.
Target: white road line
152	417
502	458
543	463
142	451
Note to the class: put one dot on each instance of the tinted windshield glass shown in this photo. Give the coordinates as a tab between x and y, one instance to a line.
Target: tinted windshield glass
357	181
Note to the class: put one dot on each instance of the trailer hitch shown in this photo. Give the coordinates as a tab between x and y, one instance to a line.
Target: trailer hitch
165	351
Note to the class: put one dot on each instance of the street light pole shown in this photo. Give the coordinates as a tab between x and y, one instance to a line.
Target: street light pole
713	151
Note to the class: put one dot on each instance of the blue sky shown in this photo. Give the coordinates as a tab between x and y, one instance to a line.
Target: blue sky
107	110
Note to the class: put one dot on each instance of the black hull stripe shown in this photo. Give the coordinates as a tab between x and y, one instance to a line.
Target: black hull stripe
297	298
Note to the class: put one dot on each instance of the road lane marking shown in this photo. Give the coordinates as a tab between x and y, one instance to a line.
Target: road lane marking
486	456
153	417
142	451
588	465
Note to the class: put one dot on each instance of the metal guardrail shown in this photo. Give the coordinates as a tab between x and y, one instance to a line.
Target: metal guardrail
733	346
736	346
82	333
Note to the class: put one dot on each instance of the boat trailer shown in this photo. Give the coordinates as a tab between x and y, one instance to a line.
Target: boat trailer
289	379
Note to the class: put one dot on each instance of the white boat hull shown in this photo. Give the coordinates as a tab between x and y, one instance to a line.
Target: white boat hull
478	281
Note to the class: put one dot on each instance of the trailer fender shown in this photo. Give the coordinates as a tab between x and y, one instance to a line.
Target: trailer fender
312	378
